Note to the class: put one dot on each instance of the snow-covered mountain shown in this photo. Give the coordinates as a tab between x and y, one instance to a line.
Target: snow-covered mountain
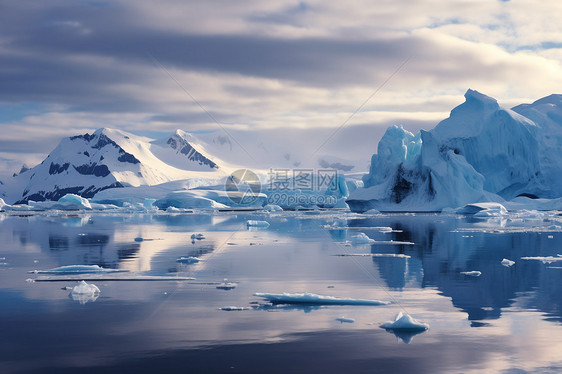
108	158
482	152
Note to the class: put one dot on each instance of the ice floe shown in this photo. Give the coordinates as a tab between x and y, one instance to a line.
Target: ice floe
507	263
394	255
225	285
126	277
187	260
473	273
234	308
77	269
85	292
310	298
544	259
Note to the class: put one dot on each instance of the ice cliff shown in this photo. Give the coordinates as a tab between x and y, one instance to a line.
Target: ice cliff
482	152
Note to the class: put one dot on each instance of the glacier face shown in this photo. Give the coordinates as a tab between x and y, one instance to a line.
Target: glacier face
482	152
106	159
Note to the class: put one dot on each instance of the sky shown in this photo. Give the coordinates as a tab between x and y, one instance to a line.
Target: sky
69	67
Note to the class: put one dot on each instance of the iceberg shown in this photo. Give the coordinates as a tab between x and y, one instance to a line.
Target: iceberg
483	209
198	236
507	263
78	201
310	298
361	239
405	322
481	153
85	292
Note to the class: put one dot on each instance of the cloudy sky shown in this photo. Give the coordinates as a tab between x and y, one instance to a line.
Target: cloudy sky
68	67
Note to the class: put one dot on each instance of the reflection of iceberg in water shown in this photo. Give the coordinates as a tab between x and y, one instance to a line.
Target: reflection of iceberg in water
404	335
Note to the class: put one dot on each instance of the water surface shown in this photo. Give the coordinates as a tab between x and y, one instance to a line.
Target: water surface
506	320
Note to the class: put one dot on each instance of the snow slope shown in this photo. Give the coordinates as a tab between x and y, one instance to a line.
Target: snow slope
482	152
108	158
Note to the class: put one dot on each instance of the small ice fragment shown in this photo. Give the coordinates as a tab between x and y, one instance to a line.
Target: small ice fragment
254	223
225	285
29	280
233	308
187	260
361	238
473	273
198	236
550	237
345	320
405	322
273	208
85	292
139	239
507	263
310	298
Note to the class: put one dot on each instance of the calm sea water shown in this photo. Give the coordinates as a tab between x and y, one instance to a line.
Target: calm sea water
506	320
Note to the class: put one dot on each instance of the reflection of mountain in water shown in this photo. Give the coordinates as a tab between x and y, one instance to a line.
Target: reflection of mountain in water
440	255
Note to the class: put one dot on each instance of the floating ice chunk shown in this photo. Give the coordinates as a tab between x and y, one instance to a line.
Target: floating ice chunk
345	320
273	208
405	322
310	298
555	227
79	201
473	273
125	277
483	209
187	260
225	285
507	263
544	259
29	280
233	308
361	238
396	255
77	269
255	223
173	209
85	292
198	236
